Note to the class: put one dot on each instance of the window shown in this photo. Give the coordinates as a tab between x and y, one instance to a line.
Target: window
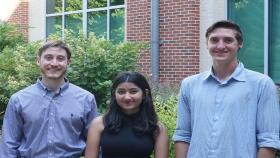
104	18
259	21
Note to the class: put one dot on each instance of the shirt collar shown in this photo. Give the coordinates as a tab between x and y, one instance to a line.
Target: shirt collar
238	74
45	90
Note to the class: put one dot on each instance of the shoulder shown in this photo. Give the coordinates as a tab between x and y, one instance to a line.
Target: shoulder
162	134
79	92
256	77
195	78
161	127
97	123
75	88
26	92
191	83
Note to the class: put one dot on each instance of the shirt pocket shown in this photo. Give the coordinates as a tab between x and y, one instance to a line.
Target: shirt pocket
76	122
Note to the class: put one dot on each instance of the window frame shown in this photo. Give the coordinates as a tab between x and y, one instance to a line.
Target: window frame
266	32
84	12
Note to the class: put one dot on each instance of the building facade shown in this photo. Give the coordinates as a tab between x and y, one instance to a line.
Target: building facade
181	29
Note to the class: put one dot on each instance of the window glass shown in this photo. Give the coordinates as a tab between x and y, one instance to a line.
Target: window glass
117	25
97	4
54	25
73	5
97	23
53	6
105	18
73	22
249	14
274	51
116	2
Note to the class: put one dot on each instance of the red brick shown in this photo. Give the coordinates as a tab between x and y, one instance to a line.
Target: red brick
20	17
179	32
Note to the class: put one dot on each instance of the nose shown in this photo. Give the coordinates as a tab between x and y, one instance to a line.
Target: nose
54	62
221	44
127	96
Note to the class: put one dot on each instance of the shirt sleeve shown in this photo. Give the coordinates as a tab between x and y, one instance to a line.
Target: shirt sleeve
91	113
11	130
183	123
268	116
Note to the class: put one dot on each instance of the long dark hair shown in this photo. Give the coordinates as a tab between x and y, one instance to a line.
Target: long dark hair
146	119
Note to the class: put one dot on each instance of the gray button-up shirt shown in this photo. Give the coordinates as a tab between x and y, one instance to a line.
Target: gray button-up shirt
41	124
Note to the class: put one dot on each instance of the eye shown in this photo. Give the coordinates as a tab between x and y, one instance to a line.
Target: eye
134	91
48	57
228	40
214	40
61	58
120	91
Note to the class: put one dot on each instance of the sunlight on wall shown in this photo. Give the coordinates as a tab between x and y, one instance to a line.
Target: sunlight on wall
7	8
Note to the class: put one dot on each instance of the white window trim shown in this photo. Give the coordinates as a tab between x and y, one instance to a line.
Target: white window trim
84	12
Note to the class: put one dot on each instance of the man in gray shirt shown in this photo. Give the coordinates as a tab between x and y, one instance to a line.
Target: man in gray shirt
51	117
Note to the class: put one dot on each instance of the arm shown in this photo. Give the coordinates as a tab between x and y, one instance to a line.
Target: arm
161	144
266	153
181	149
11	131
90	114
268	118
183	131
93	138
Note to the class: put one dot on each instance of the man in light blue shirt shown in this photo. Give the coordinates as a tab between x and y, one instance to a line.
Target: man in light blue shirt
49	119
229	111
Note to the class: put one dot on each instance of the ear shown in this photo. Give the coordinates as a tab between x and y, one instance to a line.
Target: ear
38	60
240	45
69	62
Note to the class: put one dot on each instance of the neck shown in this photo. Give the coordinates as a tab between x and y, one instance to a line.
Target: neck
223	71
53	84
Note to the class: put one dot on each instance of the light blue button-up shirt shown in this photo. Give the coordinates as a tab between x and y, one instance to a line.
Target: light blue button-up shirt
228	119
40	124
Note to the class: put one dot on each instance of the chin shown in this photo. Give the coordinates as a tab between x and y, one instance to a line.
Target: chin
54	77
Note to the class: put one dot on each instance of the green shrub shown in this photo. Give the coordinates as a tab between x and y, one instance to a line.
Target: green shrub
94	64
9	36
97	61
165	99
18	69
167	115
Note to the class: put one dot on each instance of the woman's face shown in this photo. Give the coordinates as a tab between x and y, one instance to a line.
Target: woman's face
129	97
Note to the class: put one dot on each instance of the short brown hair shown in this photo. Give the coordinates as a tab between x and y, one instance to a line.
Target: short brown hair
228	25
52	44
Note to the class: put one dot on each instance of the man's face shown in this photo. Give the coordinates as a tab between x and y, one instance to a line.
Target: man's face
223	46
53	63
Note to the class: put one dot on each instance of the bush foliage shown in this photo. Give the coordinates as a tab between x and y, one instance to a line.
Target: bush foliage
9	36
95	63
167	115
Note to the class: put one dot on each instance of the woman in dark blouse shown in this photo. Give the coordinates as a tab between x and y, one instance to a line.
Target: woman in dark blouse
130	128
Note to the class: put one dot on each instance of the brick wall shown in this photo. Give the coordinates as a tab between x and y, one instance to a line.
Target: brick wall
20	17
179	35
139	28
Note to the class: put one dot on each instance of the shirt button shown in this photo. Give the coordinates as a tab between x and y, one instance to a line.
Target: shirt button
51	127
214	133
51	113
216	118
